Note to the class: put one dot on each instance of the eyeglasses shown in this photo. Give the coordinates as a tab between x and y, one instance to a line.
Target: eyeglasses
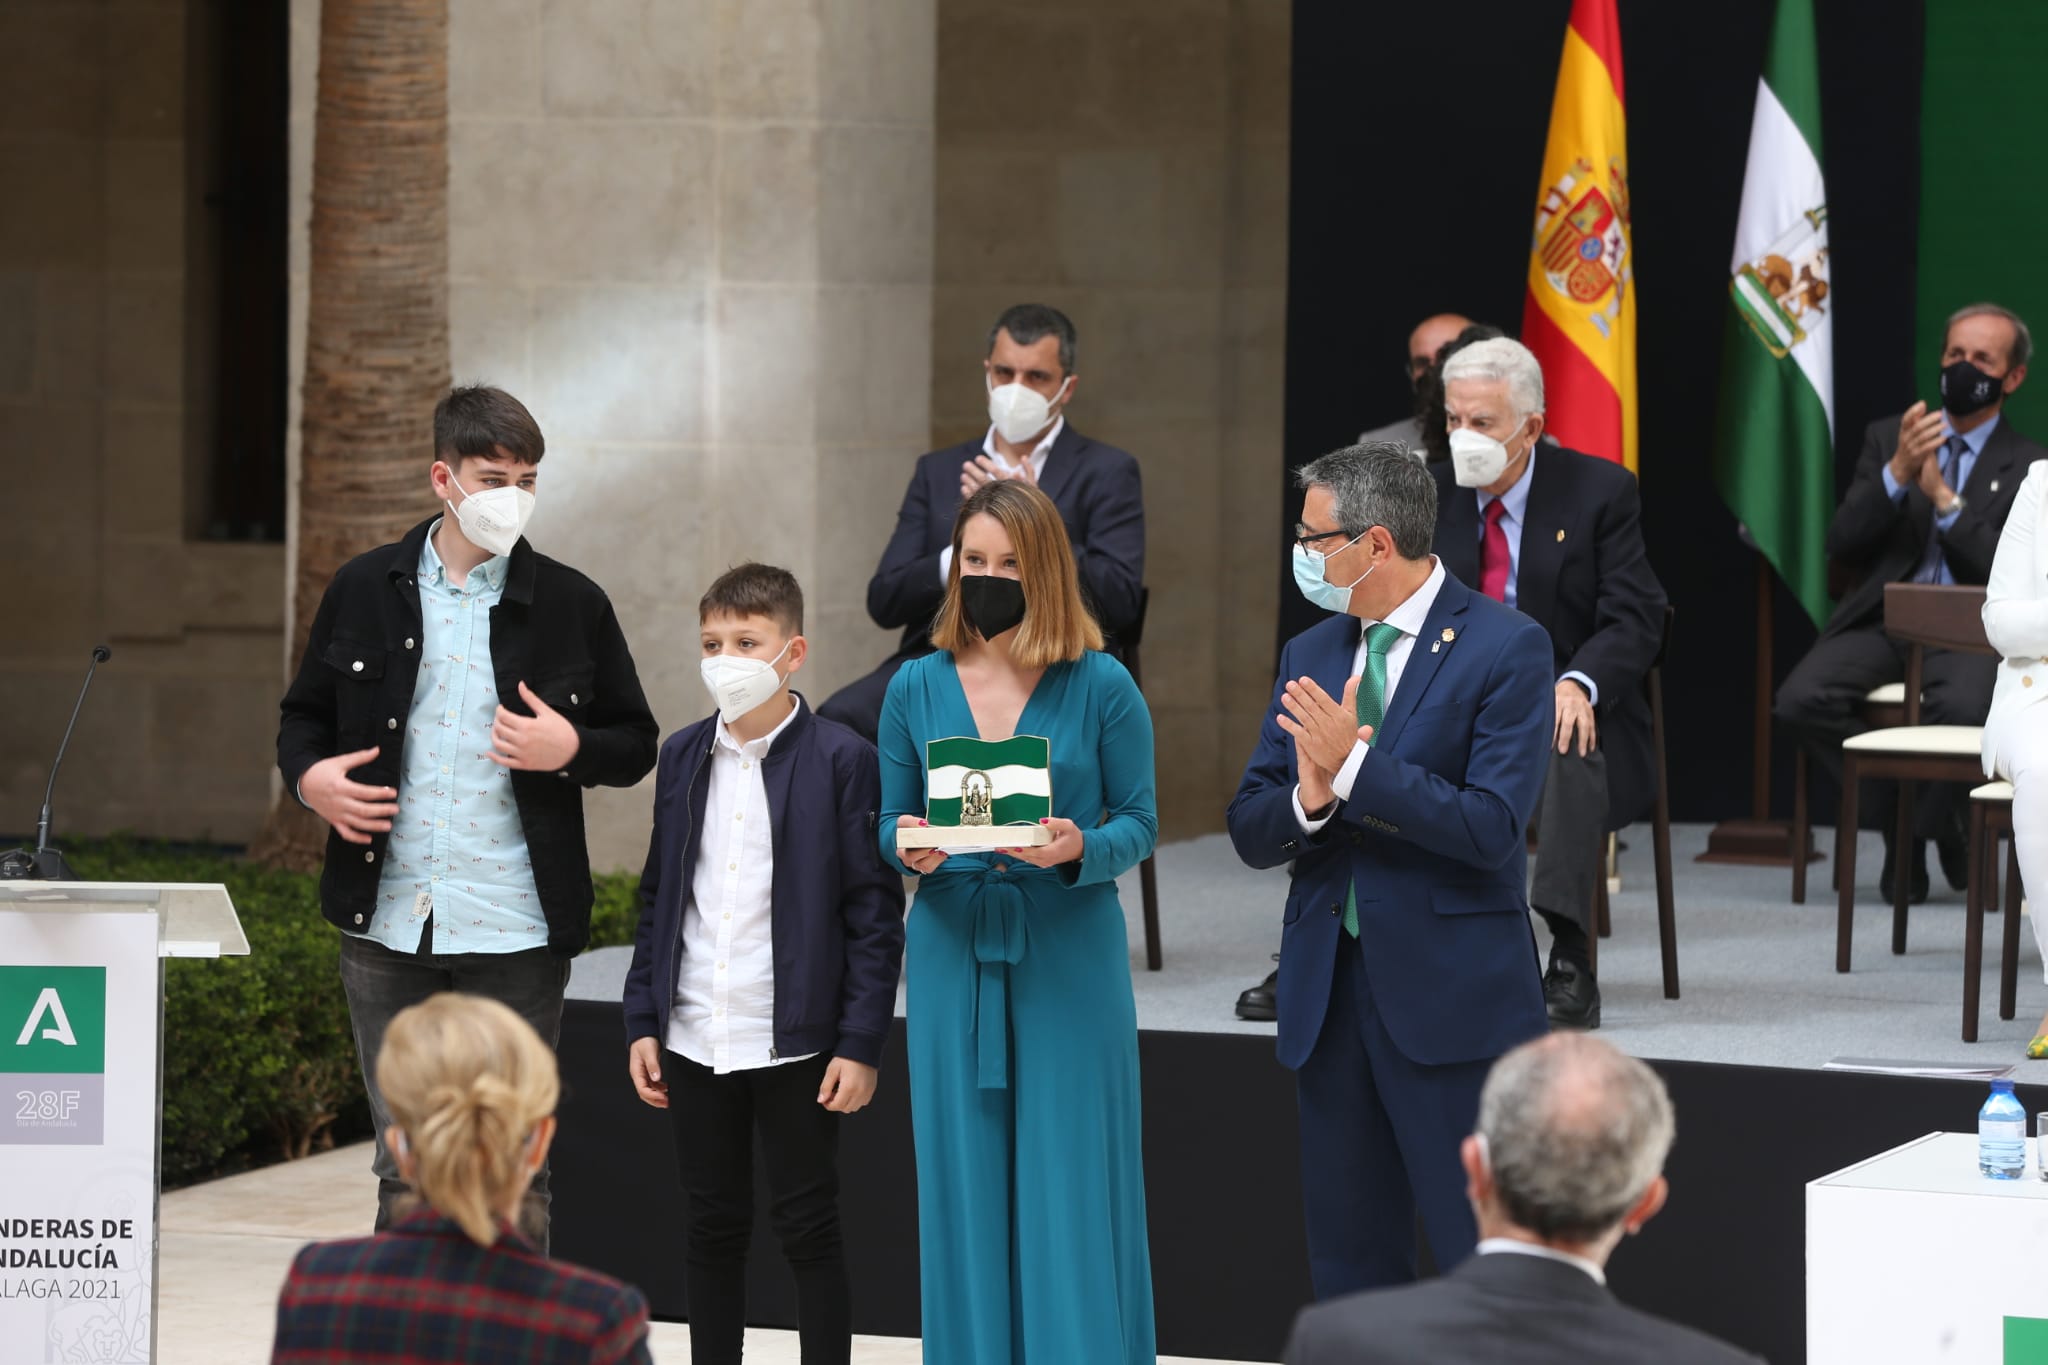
1305	538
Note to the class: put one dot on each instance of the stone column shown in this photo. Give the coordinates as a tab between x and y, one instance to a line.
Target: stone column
695	237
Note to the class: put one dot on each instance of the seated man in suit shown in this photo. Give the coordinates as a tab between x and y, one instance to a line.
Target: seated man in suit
1429	337
1927	504
1567	1159
1029	369
1558	535
1396	772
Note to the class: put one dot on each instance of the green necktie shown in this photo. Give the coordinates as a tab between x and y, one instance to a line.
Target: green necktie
1372	708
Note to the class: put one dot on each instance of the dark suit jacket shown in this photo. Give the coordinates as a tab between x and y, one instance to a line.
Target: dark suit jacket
1882	541
1095	486
1584	577
1501	1309
1432	837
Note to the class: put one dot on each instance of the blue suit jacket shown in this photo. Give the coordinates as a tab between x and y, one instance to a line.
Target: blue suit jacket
1100	497
835	909
1433	836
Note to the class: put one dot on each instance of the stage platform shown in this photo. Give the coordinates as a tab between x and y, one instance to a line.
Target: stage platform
1762	1010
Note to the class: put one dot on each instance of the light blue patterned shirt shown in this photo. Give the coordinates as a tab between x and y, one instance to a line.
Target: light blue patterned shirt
457	848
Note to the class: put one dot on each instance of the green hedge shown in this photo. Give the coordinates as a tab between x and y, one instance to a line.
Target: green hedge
259	1062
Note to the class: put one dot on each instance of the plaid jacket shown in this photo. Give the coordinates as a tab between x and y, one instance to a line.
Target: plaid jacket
423	1292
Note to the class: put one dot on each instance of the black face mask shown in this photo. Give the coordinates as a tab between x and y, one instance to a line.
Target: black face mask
1966	389
991	604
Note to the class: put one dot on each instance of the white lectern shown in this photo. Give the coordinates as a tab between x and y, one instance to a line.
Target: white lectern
81	1107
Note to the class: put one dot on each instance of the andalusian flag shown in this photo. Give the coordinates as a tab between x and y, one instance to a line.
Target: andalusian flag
1580	315
988	782
1774	454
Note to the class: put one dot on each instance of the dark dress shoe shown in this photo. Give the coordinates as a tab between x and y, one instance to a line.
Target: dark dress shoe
1570	996
1256	1005
1916	891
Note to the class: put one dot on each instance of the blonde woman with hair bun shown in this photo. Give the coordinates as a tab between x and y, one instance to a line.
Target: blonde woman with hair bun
471	1090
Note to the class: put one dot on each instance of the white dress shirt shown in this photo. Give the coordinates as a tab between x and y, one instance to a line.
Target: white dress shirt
1493	1246
724	1013
1036	459
1408	618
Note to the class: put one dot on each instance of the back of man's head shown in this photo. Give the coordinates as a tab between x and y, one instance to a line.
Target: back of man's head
1575	1134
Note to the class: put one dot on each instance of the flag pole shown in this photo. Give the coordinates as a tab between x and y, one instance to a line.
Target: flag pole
1758	841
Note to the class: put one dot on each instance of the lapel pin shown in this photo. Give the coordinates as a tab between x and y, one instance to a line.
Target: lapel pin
1994	485
1448	636
1560	535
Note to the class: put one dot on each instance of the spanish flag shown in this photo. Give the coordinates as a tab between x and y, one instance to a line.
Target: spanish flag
1580	314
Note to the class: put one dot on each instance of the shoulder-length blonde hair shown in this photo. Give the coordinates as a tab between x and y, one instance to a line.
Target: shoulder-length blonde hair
468	1082
1057	627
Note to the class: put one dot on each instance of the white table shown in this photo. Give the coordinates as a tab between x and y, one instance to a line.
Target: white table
1912	1256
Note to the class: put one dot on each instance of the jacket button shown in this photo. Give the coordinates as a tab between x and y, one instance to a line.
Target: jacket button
357	666
408	642
370	856
359	919
391	724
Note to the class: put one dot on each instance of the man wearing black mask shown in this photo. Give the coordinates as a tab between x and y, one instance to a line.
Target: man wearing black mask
1928	502
1430	336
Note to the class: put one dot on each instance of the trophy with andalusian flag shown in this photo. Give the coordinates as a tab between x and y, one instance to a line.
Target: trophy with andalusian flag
982	795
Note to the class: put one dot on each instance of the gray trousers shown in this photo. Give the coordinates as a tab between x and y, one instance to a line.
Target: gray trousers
1571	824
379	983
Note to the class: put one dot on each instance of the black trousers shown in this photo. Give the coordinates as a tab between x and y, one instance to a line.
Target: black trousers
716	1119
858	705
1821	701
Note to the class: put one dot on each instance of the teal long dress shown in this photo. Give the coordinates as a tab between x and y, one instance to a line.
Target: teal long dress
1024	1041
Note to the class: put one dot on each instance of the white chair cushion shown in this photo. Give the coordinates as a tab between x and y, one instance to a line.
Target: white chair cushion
1933	740
1891	694
1992	791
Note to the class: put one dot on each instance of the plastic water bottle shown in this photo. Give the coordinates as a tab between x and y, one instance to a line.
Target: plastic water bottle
2002	1134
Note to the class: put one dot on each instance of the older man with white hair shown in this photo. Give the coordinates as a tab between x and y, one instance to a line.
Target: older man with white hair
1558	535
1567	1159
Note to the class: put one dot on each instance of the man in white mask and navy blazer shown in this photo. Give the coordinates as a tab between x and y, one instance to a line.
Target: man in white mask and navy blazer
1396	771
1558	536
1029	372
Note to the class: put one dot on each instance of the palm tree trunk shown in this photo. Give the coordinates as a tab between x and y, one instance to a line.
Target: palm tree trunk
377	317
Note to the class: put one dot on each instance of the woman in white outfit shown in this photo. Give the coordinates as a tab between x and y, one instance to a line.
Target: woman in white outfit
2016	731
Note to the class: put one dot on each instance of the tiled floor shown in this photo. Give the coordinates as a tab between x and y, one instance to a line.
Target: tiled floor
226	1247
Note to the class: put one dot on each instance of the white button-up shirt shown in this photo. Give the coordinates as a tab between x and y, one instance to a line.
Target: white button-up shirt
724	1012
1409	618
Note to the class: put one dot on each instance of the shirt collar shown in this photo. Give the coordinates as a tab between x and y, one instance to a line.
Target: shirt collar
1038	452
1976	438
1509	1246
1516	499
1413	614
757	748
432	570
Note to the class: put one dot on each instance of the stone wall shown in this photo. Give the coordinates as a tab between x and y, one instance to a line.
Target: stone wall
177	738
695	237
1128	164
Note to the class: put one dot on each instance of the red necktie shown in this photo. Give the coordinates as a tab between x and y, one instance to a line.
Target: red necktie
1493	554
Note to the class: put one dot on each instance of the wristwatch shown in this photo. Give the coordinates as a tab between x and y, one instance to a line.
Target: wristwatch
1955	505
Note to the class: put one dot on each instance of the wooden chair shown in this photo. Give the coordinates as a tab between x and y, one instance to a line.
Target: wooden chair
1922	616
1883	708
1148	877
1660	835
1990	820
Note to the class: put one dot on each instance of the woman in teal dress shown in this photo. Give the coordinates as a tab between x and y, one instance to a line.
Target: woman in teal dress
1023	1035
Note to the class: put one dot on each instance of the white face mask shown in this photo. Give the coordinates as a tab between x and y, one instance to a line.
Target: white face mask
1019	412
493	519
738	684
1477	460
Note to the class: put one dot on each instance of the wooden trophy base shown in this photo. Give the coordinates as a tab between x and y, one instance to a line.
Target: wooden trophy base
971	838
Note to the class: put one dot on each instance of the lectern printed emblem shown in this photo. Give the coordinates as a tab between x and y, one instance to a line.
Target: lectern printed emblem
53	1076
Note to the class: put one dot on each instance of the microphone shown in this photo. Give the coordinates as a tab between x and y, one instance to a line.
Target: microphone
45	863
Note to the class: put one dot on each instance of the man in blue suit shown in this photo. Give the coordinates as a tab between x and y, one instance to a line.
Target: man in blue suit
1029	372
1396	770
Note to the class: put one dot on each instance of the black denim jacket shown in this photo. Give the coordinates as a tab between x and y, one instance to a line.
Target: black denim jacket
553	629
